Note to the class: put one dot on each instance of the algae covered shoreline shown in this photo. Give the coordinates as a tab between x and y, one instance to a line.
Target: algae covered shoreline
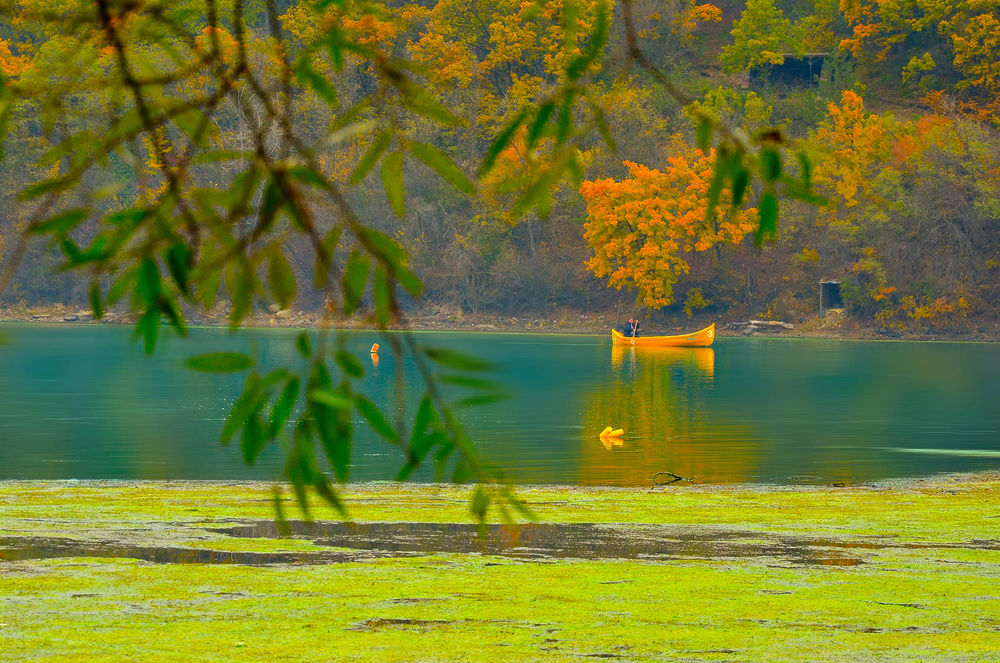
186	570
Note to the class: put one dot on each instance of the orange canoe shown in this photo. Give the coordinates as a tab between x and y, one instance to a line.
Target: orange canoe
698	339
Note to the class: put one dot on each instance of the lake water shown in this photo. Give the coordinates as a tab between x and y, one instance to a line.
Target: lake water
84	402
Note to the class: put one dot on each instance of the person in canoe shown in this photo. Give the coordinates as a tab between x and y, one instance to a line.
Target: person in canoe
631	328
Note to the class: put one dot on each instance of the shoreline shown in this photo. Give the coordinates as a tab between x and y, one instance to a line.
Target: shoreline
835	326
907	483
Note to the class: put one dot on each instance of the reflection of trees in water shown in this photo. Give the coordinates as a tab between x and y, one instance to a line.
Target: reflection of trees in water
659	396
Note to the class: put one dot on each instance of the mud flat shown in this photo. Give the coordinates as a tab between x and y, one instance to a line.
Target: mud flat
199	571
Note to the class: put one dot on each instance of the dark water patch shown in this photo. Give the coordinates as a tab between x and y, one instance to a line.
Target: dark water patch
539	542
548	541
383	623
31	548
974	544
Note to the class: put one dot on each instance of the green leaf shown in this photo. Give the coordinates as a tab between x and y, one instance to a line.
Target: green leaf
274	377
378	422
425	417
72	251
480	503
335	429
272	201
42	187
704	133
740	183
128	218
767	208
388	248
195	125
307	176
441	459
120	286
148	284
208	288
564	122
319	83
324	488
371	157
410	281
330	399
392	182
462	471
96	305
253	440
501	142
303	344
277	503
538	124
805	166
538	194
426	104
178	259
570	12
148	328
443	165
246	404
283	407
770	162
727	164
300	465
578	66
62	223
281	277
168	306
458	360
349	364
354	280
334	41
241	290
396	258
220	362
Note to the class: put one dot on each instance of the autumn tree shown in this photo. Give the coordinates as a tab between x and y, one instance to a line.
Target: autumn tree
645	229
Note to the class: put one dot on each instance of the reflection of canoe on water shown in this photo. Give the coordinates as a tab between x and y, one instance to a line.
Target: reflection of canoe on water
696	339
701	358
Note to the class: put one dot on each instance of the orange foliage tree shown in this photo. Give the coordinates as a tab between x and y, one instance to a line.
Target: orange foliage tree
641	227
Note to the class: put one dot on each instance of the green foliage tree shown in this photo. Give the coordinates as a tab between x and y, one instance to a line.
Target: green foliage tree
761	37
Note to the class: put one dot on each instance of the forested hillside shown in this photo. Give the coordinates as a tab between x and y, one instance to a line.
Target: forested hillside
890	109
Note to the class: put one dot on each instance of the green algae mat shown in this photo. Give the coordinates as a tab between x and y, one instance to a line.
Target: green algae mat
197	571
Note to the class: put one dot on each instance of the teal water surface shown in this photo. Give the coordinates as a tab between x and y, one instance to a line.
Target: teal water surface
84	402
